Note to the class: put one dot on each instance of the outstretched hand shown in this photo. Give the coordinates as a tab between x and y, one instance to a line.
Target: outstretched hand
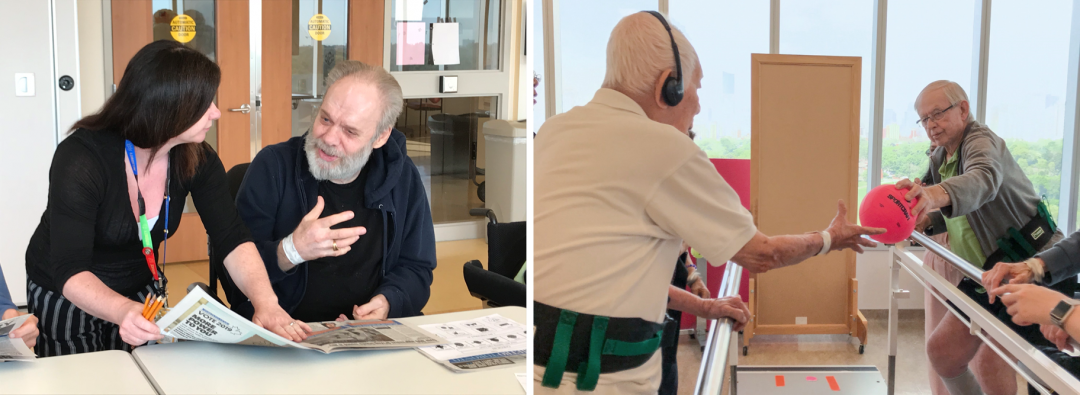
847	235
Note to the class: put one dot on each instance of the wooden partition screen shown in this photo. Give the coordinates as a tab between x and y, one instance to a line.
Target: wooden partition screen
804	158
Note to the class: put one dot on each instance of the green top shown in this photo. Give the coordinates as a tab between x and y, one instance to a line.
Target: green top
962	240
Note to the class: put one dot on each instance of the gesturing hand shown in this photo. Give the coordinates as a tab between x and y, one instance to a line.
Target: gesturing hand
848	235
1015	273
314	239
1028	303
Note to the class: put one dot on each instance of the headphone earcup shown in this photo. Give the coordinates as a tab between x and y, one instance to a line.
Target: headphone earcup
672	92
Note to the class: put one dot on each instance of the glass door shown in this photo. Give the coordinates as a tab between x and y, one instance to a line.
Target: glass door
445	129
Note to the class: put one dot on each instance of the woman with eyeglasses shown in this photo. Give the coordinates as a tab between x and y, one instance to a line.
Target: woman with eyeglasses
979	196
93	260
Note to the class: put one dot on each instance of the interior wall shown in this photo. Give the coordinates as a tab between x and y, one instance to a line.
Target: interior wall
29	138
91	56
872	271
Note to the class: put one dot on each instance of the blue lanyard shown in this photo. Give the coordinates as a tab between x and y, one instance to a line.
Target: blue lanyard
144	228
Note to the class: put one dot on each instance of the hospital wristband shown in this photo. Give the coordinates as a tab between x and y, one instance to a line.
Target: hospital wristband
290	251
826	242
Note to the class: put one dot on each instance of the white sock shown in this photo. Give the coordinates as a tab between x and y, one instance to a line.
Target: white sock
964	384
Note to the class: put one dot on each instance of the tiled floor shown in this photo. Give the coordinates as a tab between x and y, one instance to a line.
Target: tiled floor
448	290
911	363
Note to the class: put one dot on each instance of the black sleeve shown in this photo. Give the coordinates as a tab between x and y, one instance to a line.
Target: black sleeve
258	202
210	192
76	190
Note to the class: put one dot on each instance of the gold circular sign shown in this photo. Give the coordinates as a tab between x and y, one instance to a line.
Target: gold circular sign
182	28
319	27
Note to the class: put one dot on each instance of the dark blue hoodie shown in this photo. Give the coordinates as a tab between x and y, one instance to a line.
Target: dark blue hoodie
279	190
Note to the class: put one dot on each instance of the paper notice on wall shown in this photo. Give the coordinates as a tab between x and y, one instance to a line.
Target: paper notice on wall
408	10
444	43
410	39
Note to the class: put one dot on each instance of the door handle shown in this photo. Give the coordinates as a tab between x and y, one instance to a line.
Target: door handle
244	108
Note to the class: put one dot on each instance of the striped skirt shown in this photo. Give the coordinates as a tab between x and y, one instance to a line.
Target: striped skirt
66	329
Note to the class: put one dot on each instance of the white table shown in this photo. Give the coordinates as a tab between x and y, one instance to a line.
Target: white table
104	372
198	367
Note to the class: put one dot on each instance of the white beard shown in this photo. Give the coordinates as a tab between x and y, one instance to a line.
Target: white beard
347	166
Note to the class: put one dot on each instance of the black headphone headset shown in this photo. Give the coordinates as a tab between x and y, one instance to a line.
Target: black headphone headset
672	92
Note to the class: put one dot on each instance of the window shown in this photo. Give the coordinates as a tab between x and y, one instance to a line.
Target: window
446	143
724	34
835	28
478	34
585	27
312	60
1025	93
202	13
909	45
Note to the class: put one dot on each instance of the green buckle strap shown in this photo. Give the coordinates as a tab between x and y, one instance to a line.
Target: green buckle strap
629	349
589	373
1045	212
1019	239
1003	244
560	350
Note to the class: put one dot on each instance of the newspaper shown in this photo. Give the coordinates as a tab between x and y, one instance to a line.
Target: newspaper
485	342
199	317
14	349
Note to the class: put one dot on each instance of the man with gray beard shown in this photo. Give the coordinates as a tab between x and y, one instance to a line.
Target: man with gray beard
340	215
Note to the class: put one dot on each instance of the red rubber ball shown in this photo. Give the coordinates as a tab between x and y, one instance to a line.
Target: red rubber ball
885	207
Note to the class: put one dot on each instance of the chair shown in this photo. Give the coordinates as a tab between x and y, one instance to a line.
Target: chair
506	254
234	177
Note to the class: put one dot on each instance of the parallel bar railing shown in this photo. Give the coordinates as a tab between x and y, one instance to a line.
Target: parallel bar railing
1038	369
714	364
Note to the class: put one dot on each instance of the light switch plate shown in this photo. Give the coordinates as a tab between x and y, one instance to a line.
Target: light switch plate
448	84
800	320
24	84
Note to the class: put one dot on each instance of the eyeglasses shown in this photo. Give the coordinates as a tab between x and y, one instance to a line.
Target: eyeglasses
936	116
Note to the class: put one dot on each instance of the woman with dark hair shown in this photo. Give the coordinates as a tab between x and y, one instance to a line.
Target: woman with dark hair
89	270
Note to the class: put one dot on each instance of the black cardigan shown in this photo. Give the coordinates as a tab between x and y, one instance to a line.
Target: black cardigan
88	224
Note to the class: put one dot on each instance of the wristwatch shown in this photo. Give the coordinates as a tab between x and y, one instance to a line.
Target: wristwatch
1062	310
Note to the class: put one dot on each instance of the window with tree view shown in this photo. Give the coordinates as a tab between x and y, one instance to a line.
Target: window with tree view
1025	102
724	35
907	72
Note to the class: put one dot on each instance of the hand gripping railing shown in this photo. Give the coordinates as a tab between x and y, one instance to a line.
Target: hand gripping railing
1040	371
714	364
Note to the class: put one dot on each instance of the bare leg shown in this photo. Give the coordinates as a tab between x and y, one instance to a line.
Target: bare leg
951	347
995	376
935	311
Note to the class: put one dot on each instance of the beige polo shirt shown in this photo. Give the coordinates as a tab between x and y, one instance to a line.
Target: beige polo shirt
615	194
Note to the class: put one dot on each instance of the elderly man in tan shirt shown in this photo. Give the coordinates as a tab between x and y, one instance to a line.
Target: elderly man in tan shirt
617	189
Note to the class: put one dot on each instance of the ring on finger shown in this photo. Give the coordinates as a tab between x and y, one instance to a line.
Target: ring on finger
335	245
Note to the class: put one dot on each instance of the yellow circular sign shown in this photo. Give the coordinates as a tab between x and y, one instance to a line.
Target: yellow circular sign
182	28
319	27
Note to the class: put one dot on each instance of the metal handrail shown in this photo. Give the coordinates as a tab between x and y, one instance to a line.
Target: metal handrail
1008	343
714	364
966	267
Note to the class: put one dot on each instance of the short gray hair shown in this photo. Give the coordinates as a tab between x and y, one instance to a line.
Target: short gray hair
385	84
953	93
639	50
